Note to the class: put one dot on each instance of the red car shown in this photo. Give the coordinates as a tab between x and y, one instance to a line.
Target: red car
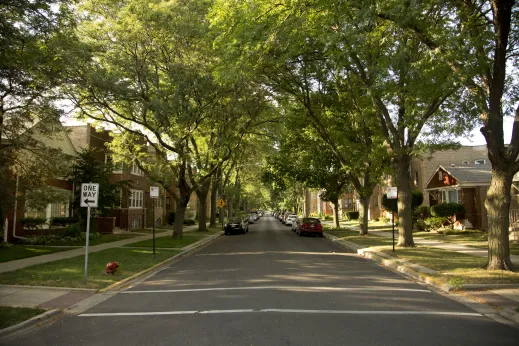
309	225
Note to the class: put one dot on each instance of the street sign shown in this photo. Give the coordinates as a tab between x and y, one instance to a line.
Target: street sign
89	195
392	193
220	202
154	192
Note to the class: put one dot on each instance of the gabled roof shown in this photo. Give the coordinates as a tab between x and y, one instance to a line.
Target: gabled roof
467	175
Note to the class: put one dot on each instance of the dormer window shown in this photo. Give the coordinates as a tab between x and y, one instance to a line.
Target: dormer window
440	175
480	162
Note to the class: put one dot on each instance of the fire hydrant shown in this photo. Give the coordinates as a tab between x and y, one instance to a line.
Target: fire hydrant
111	267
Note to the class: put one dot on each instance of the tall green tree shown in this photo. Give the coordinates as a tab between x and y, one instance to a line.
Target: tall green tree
478	40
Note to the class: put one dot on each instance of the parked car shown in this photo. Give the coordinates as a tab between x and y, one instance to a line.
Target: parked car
310	225
252	218
290	219
235	225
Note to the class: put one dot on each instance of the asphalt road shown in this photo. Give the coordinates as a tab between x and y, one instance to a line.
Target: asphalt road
271	287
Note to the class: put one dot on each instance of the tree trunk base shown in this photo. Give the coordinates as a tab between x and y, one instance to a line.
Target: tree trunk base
498	265
405	244
177	236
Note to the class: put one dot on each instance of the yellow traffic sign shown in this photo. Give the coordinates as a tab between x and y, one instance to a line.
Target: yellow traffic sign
220	202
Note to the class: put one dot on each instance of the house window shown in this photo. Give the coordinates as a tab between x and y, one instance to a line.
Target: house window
59	210
480	162
136	198
168	203
136	170
117	167
416	178
451	196
440	175
465	162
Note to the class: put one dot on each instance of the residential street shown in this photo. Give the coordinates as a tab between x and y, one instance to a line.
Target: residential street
271	287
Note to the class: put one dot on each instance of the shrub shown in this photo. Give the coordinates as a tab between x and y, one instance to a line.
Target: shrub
450	211
33	223
352	215
171	218
72	231
385	219
189	222
435	222
422	212
63	221
328	217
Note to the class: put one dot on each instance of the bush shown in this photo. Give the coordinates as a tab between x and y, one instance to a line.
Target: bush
171	218
435	222
328	217
422	212
385	219
72	231
448	210
33	223
63	221
352	215
189	222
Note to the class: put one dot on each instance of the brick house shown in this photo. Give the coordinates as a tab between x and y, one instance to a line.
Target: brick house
466	184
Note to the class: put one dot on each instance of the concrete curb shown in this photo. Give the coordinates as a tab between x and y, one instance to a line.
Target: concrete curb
25	326
117	286
103	294
422	274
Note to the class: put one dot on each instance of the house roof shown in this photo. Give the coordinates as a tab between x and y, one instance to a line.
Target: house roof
467	174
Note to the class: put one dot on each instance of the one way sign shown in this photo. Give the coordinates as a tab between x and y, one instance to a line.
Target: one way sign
89	195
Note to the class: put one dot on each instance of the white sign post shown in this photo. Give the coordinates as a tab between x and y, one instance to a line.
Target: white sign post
392	193
154	194
89	198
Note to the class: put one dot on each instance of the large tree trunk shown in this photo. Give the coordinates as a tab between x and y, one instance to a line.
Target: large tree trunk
405	220
336	213
363	214
214	189
306	211
180	212
229	210
202	192
497	204
181	206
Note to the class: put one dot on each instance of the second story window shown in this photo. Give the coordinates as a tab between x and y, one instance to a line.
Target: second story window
480	162
136	170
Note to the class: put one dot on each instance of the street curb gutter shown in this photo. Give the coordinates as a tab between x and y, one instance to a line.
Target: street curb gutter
102	295
28	325
412	270
117	286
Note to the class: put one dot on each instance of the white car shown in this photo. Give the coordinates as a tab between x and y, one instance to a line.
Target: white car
290	219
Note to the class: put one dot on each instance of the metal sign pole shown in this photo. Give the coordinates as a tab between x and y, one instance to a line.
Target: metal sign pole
393	230
153	222
86	247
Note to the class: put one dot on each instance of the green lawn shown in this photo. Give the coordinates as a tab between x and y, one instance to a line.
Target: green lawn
10	316
70	272
469	236
150	231
104	238
16	252
354	237
457	268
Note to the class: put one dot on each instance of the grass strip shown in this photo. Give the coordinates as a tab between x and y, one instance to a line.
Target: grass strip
10	316
457	268
354	237
70	272
16	252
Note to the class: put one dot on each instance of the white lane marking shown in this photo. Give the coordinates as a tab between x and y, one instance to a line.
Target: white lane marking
341	312
292	288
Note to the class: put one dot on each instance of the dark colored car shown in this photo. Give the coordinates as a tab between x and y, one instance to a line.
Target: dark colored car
236	225
309	225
